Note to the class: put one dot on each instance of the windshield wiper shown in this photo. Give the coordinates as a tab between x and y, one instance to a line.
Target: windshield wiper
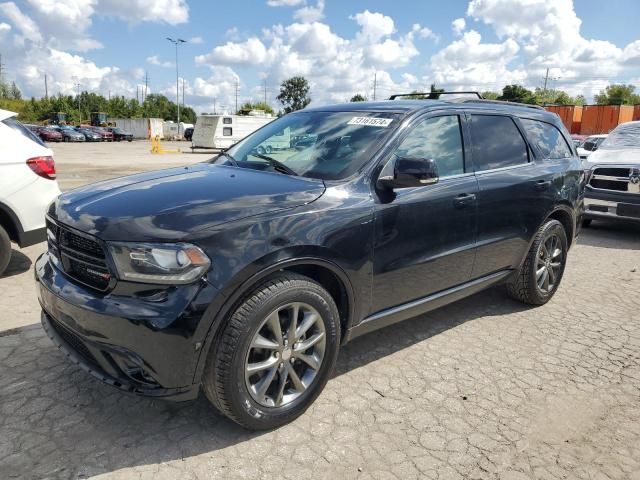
234	162
278	166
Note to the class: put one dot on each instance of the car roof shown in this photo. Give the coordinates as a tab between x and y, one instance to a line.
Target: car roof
414	105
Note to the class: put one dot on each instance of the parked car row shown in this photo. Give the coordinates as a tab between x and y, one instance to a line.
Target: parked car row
83	133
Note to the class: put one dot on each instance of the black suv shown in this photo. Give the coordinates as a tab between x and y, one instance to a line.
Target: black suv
245	274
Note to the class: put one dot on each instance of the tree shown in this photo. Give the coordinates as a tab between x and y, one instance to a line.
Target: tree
618	95
294	94
14	92
358	98
248	106
435	92
490	95
517	93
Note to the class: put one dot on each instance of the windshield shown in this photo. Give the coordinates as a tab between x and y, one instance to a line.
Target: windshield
626	135
323	145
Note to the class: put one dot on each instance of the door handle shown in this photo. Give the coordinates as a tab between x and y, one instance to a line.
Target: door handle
463	200
542	184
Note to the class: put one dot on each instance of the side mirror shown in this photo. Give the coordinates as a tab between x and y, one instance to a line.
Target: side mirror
409	172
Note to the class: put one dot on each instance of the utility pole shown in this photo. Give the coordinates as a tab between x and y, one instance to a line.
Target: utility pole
146	86
46	89
182	93
138	93
2	65
375	85
544	90
79	102
265	91
237	95
214	105
177	42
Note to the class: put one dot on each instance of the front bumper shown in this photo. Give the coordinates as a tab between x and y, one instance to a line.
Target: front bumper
143	344
602	205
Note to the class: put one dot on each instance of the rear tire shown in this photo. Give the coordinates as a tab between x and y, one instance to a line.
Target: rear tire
538	278
257	349
5	250
586	223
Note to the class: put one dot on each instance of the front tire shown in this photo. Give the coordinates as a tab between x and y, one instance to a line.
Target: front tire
538	278
275	354
5	250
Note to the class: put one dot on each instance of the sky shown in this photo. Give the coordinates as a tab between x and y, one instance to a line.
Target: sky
341	47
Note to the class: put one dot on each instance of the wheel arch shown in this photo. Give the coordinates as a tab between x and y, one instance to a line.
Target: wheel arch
327	273
10	222
564	214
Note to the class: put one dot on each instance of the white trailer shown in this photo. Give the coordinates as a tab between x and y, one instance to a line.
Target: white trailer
140	127
170	130
222	131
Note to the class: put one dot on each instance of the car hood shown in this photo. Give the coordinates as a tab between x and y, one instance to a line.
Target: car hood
169	205
622	156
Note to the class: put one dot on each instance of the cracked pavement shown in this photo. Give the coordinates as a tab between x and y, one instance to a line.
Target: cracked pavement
484	388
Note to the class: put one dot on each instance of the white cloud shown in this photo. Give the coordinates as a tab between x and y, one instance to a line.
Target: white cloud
4	27
196	40
285	3
425	32
468	61
310	14
373	26
23	23
336	67
154	60
172	12
458	26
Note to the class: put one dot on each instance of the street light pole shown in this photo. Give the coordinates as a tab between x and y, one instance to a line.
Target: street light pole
177	42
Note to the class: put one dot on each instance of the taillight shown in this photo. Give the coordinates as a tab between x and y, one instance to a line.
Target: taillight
43	166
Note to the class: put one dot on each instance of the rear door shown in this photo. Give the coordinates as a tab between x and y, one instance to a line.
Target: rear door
514	191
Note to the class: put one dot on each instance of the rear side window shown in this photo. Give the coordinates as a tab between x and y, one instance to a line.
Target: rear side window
22	130
226	121
547	138
227	131
497	142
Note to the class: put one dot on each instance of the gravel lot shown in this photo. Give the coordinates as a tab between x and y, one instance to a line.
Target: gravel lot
484	388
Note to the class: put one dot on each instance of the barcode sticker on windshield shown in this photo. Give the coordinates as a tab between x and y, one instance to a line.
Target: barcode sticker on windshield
371	122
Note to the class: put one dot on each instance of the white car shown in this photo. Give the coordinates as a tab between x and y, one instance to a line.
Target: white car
27	186
590	144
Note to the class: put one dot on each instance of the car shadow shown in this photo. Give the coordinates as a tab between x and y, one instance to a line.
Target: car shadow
18	264
611	234
90	428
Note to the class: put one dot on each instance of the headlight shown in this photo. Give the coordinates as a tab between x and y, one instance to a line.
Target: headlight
170	263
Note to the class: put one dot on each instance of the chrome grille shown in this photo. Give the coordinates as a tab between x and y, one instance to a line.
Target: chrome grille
80	257
617	179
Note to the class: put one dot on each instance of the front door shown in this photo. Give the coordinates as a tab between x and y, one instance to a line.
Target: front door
425	236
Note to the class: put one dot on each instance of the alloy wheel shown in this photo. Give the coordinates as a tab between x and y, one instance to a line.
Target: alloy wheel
285	354
549	263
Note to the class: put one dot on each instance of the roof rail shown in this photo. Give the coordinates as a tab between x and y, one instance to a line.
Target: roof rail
497	102
427	94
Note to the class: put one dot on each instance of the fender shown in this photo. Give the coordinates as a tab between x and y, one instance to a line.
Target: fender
226	302
566	207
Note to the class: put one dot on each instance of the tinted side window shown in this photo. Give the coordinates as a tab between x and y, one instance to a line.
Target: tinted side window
497	142
226	121
547	138
227	132
436	138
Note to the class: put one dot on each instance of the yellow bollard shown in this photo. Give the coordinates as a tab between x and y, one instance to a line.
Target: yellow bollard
156	146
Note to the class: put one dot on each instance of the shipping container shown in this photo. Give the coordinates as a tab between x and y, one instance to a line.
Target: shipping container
571	115
141	128
598	119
